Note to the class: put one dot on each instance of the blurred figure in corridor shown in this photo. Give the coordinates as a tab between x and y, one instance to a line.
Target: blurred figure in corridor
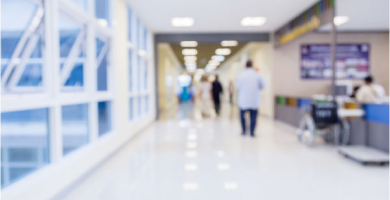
249	83
205	96
217	91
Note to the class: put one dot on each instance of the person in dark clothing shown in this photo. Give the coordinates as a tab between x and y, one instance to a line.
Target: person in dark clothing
217	91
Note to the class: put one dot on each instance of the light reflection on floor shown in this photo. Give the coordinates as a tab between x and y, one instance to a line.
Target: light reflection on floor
208	159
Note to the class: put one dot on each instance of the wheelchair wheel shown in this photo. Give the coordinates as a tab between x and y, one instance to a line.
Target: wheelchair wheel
306	132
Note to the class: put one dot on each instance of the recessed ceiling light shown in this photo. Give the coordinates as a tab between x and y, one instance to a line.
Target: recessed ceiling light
191	67
230	186
191	167
214	62
190	186
190	58
339	20
218	58
190	62
207	69
182	21
222	167
189	44
189	52
191	145
223	51
229	43
191	154
253	21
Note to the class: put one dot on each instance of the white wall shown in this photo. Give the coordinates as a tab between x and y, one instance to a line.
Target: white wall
169	68
51	180
287	79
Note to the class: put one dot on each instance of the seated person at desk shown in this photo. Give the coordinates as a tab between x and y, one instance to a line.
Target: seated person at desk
370	92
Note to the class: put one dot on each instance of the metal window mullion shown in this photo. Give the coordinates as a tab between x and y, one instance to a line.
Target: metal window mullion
70	61
24	58
19	47
101	56
54	86
90	73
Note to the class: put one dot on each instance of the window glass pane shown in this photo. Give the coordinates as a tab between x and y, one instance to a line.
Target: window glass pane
145	75
72	52
74	127
131	109
102	8
146	104
145	38
139	106
130	23
104	109
139	33
130	70
24	143
139	71
22	48
102	73
81	3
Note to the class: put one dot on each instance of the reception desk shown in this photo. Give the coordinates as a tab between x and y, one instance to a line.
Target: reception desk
371	130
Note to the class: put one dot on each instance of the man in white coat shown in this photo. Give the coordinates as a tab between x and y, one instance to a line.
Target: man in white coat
249	83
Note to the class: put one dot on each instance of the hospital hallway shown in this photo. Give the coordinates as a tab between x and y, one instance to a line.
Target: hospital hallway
184	157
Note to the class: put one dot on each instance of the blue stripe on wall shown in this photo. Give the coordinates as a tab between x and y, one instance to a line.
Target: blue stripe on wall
377	113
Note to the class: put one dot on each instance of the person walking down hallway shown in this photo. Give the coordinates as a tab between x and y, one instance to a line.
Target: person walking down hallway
205	96
248	84
217	91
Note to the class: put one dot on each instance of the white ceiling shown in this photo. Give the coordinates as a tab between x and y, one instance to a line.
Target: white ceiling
225	15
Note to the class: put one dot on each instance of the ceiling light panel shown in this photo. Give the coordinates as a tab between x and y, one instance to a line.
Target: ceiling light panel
223	51
218	58
189	44
190	52
182	21
190	58
253	21
229	43
339	20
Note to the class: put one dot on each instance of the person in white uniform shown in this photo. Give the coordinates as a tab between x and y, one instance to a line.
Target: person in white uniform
205	96
248	84
370	92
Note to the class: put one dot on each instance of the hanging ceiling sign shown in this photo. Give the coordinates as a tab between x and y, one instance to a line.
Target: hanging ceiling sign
317	15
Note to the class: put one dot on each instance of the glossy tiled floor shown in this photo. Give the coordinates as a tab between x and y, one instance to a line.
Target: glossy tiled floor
188	159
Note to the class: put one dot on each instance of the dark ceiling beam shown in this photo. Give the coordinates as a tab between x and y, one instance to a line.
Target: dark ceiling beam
212	37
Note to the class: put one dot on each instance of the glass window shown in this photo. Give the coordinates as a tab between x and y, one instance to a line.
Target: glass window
139	106
81	3
145	39
104	111
102	13
145	75
74	127
139	71
139	33
102	70
146	104
24	143
72	52
131	108
130	70
130	23
22	50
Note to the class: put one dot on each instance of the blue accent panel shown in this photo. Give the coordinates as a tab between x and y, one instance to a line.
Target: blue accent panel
377	113
304	103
